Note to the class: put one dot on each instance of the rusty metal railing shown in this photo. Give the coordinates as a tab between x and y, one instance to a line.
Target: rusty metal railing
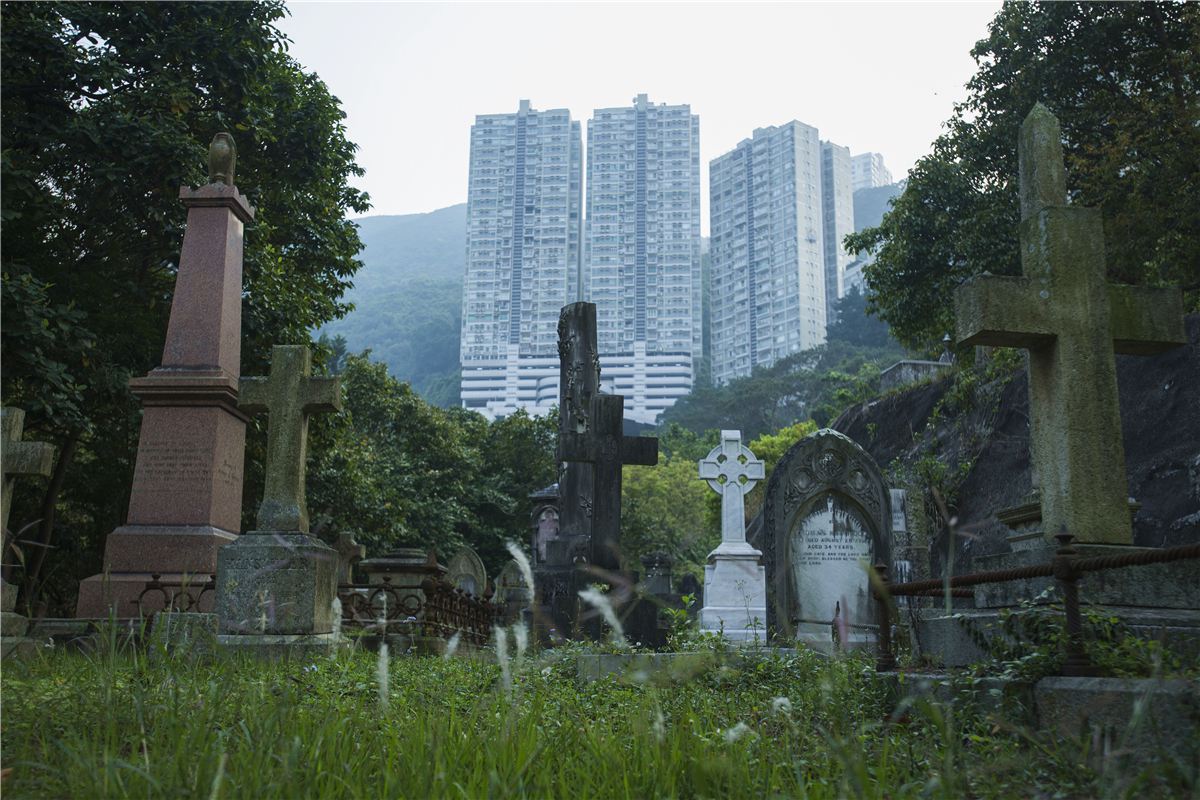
1064	566
178	595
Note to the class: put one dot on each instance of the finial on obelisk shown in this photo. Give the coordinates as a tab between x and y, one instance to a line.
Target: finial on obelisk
222	159
1042	173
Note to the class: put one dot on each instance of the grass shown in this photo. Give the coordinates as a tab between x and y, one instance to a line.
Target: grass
117	724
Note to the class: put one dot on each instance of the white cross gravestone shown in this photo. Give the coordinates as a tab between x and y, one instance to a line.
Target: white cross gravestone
735	582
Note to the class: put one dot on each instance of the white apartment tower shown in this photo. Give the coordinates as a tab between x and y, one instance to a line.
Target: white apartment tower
767	250
643	251
523	224
837	200
867	171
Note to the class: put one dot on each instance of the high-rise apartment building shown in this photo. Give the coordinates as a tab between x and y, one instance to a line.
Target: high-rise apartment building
643	251
867	171
767	250
837	202
524	201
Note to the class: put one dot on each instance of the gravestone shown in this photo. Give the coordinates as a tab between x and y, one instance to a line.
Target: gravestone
826	518
276	584
1071	320
735	582
350	553
186	499
592	449
17	457
544	524
465	571
513	594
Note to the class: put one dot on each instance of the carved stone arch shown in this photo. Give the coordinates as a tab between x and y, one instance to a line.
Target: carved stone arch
466	571
824	463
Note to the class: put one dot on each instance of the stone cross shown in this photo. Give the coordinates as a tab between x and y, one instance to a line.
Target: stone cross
1062	310
18	457
604	446
732	471
591	433
289	395
349	553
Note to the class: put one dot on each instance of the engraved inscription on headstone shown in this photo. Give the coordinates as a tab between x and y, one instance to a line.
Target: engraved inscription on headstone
831	548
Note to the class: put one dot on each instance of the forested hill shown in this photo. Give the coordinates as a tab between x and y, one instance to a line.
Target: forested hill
408	298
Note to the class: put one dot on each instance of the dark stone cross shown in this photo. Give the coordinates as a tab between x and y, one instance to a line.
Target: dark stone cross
591	433
1071	320
289	395
18	457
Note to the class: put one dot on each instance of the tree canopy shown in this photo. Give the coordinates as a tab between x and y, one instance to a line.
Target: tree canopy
107	110
1124	81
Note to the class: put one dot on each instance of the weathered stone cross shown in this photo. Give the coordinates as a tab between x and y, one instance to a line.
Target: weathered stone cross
1071	321
732	471
18	457
591	432
289	396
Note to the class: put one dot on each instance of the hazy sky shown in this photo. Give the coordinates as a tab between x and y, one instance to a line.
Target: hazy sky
412	76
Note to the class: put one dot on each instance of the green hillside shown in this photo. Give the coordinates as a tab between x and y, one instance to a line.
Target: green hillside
408	298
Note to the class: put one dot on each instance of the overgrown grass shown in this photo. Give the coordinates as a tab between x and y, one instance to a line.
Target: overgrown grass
120	725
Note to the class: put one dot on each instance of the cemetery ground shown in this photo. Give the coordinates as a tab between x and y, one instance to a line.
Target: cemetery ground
124	721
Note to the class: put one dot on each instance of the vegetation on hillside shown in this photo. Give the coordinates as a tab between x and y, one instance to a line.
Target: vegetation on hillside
1124	80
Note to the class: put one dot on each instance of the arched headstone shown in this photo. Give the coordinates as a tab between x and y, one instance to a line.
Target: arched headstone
466	571
826	517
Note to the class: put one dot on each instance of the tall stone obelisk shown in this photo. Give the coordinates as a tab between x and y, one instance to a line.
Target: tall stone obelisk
186	500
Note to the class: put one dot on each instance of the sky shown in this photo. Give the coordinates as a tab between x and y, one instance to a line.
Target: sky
411	77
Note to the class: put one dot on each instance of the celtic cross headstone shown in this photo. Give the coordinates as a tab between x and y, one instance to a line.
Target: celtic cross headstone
735	581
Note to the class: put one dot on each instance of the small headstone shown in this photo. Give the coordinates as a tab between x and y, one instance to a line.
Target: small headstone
278	580
735	581
465	571
350	552
826	520
513	594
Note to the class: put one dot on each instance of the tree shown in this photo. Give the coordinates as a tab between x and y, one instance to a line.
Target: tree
398	472
107	109
1124	80
853	324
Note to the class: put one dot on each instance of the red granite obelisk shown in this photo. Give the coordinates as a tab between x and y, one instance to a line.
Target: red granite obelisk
186	500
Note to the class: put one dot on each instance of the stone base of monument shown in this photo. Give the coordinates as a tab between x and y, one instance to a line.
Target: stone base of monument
735	594
176	553
820	636
188	634
276	646
1170	585
275	588
955	641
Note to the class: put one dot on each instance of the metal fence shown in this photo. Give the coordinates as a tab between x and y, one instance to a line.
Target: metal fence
1065	566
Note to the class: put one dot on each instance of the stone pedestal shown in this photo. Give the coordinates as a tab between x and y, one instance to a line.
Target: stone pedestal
735	595
280	584
186	499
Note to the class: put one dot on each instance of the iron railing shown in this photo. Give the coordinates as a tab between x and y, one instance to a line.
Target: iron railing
1064	566
180	595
